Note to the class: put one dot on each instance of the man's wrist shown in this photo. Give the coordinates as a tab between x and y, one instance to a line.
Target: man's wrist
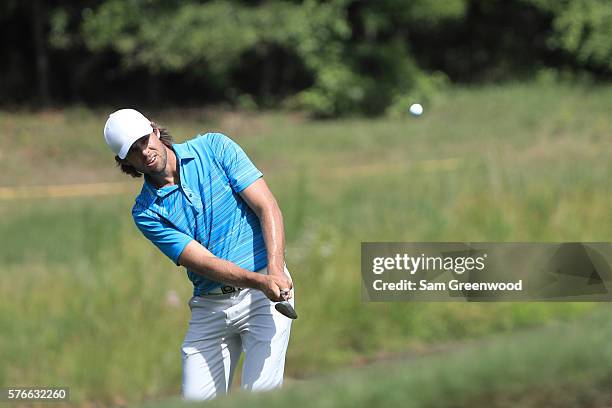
258	281
276	265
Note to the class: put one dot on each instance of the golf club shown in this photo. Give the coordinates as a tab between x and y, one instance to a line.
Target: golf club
285	308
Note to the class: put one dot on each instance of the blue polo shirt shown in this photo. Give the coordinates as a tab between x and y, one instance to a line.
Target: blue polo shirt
205	207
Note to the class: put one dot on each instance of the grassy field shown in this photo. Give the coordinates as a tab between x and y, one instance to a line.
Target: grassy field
86	302
564	365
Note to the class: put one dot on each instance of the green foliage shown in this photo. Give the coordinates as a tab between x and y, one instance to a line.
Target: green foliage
331	58
395	14
59	36
350	73
582	28
585	29
362	74
320	34
432	12
340	90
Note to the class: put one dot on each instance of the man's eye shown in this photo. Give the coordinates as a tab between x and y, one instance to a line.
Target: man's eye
143	141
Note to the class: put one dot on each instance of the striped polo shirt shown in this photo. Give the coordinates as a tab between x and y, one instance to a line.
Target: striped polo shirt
205	207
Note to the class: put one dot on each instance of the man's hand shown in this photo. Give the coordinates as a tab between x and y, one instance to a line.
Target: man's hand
271	288
201	261
283	281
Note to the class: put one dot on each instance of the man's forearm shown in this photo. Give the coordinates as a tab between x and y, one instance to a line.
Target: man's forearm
229	273
271	221
260	199
199	260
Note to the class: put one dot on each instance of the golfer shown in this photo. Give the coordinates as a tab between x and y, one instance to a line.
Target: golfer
206	206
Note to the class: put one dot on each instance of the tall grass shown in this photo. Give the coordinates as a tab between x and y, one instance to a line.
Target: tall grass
567	365
85	301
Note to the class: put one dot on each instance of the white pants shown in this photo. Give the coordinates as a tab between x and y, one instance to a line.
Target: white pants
221	327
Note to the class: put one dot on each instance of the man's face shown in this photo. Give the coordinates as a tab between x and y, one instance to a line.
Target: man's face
148	154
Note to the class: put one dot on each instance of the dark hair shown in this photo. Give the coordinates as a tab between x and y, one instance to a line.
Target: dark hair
166	139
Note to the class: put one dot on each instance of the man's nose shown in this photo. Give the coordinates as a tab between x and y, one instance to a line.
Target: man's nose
144	149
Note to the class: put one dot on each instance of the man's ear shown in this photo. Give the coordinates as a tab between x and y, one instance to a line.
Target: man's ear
156	131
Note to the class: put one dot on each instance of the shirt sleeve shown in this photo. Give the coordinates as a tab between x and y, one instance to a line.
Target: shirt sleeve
165	237
237	166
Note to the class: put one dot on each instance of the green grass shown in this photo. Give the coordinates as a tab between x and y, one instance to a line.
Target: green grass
566	365
86	301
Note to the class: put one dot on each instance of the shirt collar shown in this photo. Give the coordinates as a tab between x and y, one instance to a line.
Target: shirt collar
183	153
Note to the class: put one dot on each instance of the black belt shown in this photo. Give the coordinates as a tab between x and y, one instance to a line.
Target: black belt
222	290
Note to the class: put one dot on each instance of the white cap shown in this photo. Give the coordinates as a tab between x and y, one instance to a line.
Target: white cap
123	128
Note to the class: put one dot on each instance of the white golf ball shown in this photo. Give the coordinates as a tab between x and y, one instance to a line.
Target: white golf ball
416	109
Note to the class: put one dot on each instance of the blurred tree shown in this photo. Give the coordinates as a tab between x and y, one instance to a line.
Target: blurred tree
353	56
27	21
331	57
36	70
582	28
494	41
204	40
39	20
